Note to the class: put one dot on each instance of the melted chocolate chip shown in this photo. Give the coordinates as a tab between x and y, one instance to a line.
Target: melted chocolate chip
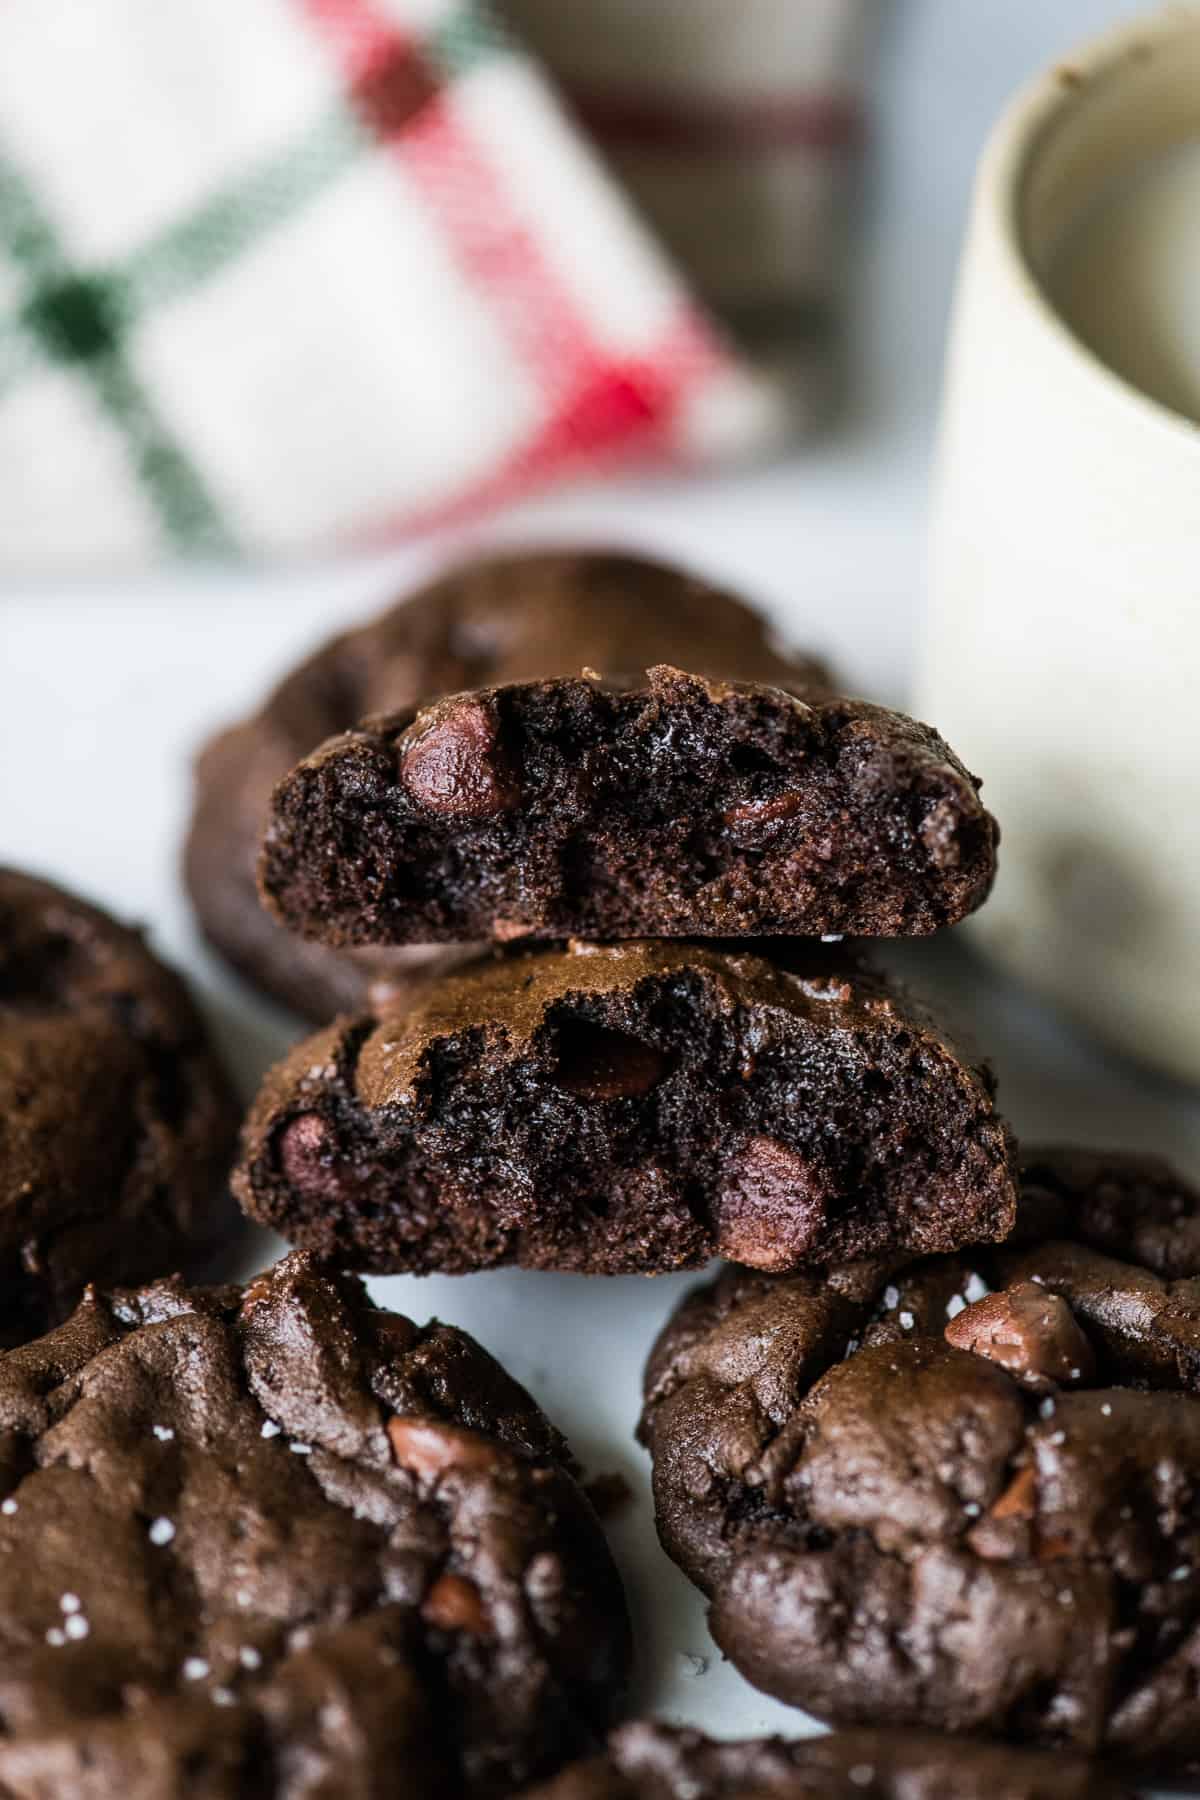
1030	1332
452	763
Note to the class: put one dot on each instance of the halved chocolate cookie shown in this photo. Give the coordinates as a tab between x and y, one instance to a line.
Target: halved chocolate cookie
117	1123
679	807
648	1761
274	1541
631	1108
962	1493
506	618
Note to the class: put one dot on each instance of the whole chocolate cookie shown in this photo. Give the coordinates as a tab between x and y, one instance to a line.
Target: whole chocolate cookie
117	1124
507	618
964	1493
273	1541
679	807
631	1108
647	1761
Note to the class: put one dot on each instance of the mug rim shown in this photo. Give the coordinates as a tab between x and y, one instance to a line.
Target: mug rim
1011	150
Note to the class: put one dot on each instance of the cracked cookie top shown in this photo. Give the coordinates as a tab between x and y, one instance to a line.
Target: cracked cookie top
962	1493
276	1541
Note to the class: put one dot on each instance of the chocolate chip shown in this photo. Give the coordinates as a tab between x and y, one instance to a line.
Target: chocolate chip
453	1604
1019	1499
597	1063
773	1205
1009	1528
308	1159
452	761
428	1448
1004	1531
1030	1332
302	1142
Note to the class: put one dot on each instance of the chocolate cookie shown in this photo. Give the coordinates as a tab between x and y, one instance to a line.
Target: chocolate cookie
631	1108
964	1493
678	807
509	618
117	1124
647	1761
275	1542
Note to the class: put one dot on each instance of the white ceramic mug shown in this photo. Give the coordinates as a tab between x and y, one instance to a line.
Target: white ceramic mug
1062	647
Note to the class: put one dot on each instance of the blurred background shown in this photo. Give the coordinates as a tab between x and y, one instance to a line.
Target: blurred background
829	530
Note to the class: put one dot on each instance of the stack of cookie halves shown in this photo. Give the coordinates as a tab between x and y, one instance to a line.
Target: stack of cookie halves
930	1443
652	1048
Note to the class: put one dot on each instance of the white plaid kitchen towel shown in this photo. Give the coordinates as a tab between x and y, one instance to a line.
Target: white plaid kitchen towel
278	275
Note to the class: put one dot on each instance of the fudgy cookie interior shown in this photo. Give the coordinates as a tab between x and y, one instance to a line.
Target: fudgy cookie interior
630	1108
575	807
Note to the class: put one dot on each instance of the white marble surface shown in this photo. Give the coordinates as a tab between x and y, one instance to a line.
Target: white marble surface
106	688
